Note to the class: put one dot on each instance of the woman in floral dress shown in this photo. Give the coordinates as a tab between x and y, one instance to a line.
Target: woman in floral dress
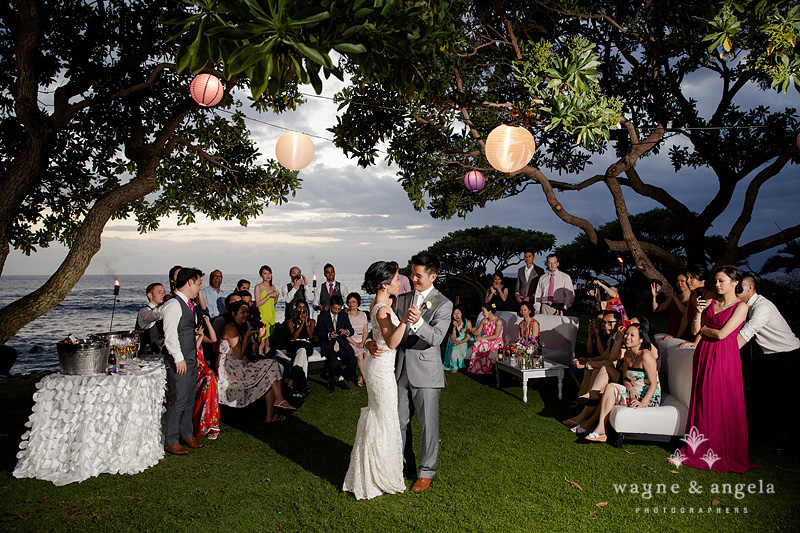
488	337
206	402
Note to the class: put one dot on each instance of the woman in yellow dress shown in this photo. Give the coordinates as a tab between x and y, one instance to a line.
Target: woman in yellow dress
266	295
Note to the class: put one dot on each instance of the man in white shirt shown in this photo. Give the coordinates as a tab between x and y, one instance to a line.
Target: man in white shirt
149	318
322	297
555	291
215	295
781	347
294	291
181	361
527	279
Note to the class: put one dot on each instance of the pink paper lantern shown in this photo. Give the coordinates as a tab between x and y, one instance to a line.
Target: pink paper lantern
798	140
474	180
207	90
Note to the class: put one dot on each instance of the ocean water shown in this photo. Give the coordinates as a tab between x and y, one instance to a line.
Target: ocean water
88	310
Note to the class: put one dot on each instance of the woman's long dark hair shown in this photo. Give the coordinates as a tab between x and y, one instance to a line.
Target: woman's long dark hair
646	344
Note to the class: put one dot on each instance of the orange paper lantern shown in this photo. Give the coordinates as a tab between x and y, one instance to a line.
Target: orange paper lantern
207	90
294	150
509	148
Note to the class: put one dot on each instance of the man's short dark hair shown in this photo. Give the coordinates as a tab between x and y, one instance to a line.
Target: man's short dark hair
617	314
152	286
529	252
228	298
429	261
337	299
243	293
241	282
328	265
187	274
551	255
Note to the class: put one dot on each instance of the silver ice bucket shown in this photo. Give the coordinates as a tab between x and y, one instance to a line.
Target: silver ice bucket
83	358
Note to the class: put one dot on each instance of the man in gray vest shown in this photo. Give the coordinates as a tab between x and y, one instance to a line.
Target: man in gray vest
181	361
322	298
295	291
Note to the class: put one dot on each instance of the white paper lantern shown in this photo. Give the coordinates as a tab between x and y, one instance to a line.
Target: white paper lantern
294	150
509	148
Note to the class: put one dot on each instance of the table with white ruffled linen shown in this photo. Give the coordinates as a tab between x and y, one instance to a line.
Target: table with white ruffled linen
84	426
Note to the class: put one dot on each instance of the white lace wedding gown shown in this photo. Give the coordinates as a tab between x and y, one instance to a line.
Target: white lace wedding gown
376	462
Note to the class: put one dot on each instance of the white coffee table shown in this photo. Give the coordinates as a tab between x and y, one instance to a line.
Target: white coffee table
550	369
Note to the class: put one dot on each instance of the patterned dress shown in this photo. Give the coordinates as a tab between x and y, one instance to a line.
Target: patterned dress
241	382
206	401
480	362
454	355
640	386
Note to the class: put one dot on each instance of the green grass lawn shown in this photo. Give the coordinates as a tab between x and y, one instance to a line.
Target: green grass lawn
504	466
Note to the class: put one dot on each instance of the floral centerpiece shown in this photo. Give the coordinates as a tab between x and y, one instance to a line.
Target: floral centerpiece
525	347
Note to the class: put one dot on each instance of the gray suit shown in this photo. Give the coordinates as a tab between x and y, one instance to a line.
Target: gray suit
420	377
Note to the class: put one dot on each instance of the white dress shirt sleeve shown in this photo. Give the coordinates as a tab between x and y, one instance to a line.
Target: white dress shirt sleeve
150	315
172	315
758	317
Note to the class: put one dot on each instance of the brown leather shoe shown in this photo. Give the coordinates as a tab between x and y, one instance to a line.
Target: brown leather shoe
192	443
176	449
421	484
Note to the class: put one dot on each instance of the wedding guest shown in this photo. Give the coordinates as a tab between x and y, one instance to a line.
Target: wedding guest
149	319
488	337
242	285
555	292
214	294
459	341
241	381
497	293
716	408
527	279
219	324
181	361
301	331
674	302
640	386
609	300
205	416
528	326
199	300
360	323
696	281
294	291
405	284
333	329
609	325
266	297
322	298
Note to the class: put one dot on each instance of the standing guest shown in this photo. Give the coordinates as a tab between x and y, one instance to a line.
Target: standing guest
242	285
241	381
497	294
527	279
359	321
301	330
266	296
205	416
716	408
149	320
459	342
322	298
780	345
696	282
609	300
198	300
555	292
674	302
294	291
528	326
488	337
181	361
333	329
214	294
405	284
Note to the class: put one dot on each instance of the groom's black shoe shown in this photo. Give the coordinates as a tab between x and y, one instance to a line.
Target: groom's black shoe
343	385
329	387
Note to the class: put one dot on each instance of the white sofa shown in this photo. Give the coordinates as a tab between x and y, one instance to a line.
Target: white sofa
557	332
669	420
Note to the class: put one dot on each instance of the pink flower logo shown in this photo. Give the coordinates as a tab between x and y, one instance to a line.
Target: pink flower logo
694	439
710	458
677	458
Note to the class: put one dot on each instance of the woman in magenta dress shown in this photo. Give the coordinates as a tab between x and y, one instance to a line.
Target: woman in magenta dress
716	431
488	337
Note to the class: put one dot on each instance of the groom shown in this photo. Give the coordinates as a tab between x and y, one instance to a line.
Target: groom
419	371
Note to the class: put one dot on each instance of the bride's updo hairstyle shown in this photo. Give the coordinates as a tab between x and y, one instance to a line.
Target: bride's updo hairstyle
379	273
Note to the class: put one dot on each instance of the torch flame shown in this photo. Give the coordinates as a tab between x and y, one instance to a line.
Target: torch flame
116	283
619	258
314	278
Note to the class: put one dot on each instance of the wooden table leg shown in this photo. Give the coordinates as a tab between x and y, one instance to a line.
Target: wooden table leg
560	383
524	389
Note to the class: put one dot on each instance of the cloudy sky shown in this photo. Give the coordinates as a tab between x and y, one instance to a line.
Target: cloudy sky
350	216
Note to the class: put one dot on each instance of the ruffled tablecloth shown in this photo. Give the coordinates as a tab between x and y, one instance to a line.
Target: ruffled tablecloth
83	426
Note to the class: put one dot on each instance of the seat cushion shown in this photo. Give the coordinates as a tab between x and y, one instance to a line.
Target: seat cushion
668	419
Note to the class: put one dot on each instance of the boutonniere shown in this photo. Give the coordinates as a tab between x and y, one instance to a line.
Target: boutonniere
428	304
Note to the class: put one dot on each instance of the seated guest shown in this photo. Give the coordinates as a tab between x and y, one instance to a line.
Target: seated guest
241	382
488	337
609	325
528	326
333	329
322	298
150	320
206	401
674	302
360	323
497	293
459	341
609	299
301	331
294	291
640	388
214	294
219	324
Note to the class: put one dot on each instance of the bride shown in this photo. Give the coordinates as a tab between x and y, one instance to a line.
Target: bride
376	462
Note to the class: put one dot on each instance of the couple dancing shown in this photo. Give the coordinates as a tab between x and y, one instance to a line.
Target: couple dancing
404	374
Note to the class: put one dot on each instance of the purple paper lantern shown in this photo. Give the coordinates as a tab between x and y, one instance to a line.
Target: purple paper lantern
474	180
798	140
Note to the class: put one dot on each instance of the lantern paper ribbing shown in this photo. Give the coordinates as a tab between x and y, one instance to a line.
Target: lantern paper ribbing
206	90
474	180
509	148
294	150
